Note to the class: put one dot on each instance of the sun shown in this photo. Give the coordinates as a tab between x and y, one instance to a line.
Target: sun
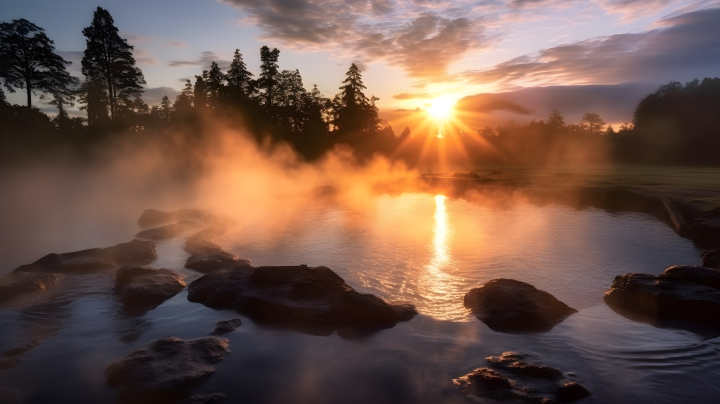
441	108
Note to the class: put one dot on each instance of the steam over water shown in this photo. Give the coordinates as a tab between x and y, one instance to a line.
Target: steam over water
423	248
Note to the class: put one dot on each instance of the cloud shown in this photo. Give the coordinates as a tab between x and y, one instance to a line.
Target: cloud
484	103
153	96
680	48
412	96
144	57
205	61
632	9
177	44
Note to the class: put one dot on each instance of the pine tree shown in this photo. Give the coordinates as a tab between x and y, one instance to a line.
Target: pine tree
200	94
215	85
93	94
28	60
184	100
269	75
166	109
239	79
110	57
353	111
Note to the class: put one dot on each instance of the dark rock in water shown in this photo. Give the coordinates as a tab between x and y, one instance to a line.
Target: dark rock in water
136	252
16	284
711	258
207	256
312	299
142	289
154	217
572	391
225	326
470	175
650	298
9	358
706	231
162	233
205	398
7	363
700	275
515	362
507	305
162	371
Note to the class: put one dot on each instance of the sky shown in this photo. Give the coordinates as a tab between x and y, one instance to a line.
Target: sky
541	54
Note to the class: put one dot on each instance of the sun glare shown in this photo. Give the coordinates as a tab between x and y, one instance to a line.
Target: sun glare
441	108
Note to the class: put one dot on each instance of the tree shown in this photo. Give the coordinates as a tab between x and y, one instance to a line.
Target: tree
93	94
593	123
269	75
354	112
239	79
556	121
215	83
28	60
110	57
184	100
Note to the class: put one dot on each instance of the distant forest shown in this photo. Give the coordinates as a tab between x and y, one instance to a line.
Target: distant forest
677	124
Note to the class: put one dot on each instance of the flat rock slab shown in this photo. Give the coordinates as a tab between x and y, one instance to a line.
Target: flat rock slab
507	305
164	370
650	298
206	255
314	300
136	252
711	258
163	232
154	217
702	276
141	289
226	326
511	377
206	398
16	284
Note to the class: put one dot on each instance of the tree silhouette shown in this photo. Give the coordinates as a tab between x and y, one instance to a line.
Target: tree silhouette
269	75
215	83
93	94
28	60
594	123
110	57
353	111
239	80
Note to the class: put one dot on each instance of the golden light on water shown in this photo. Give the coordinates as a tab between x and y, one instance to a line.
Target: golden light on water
440	240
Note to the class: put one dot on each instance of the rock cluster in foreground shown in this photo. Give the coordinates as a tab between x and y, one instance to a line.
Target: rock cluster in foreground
315	300
507	305
681	292
141	289
511	377
17	284
162	371
162	232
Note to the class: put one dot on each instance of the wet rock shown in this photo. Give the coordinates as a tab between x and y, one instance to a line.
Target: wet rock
572	391
507	305
162	371
315	300
154	217
700	275
141	289
136	252
17	284
163	232
225	326
711	258
650	298
205	398
515	362
207	256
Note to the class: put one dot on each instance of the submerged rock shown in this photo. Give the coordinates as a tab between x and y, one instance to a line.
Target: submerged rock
9	358
711	258
141	289
507	305
650	298
162	371
207	256
225	326
205	398
17	284
154	217
312	299
136	252
163	232
512	378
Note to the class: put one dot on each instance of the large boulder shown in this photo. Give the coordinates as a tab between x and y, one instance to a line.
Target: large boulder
137	252
16	284
163	232
700	275
650	298
154	217
711	258
164	370
141	289
206	255
316	300
507	305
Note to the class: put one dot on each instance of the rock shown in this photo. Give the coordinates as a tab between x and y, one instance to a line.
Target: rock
700	275
162	233
205	398
225	326
312	299
470	175
650	298
154	217
134	252
706	231
711	258
9	358
207	256
141	289
16	284
513	361
162	371
572	391
507	305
